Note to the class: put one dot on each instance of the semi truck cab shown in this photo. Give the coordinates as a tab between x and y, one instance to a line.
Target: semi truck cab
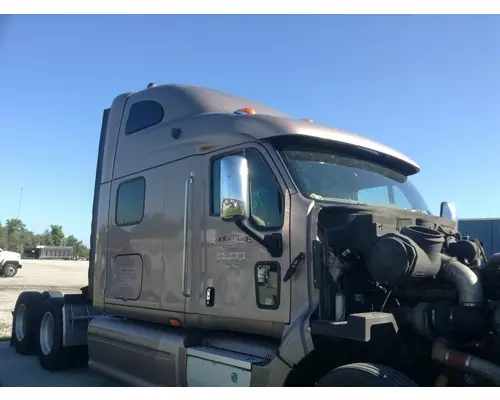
235	245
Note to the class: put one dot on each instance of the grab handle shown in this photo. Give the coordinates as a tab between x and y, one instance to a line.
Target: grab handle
189	181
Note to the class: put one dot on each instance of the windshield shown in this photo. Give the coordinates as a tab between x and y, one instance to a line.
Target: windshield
336	177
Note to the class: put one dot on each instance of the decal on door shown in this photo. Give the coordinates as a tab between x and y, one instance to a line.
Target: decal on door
232	259
241	256
231	241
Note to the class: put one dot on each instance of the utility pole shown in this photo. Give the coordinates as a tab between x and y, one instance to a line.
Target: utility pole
19	205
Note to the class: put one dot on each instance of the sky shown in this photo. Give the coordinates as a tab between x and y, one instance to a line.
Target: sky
428	86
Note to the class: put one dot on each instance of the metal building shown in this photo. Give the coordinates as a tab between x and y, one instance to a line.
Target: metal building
487	230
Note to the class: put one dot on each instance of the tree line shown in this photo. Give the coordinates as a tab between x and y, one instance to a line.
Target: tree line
14	236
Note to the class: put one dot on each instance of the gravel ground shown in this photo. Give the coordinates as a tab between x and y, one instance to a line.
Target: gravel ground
65	276
25	371
39	275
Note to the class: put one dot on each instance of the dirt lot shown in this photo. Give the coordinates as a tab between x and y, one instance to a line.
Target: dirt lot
34	376
65	276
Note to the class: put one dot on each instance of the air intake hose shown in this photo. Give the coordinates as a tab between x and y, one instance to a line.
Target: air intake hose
464	279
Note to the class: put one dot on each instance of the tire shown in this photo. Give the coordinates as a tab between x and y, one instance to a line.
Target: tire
365	375
52	355
74	299
51	294
9	270
25	322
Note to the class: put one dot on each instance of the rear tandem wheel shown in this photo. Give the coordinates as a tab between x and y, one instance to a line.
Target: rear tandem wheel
25	322
52	355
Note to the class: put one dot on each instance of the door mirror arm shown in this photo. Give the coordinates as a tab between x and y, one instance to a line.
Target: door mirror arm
273	242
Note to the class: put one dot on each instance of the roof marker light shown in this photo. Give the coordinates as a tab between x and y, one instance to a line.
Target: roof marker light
307	119
246	110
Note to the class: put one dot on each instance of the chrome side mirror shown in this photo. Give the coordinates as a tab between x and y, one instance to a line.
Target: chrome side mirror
234	188
448	211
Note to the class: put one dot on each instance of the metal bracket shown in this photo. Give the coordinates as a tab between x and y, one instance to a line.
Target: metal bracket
76	318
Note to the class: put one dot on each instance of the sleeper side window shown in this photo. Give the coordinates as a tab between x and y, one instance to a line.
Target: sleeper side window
266	201
130	199
142	115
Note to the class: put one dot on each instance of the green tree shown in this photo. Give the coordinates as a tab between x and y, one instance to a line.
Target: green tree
15	231
3	237
38	239
72	241
80	249
46	238
57	234
29	239
14	236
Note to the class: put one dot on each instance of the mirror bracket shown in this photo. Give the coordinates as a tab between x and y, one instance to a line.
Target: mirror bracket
273	242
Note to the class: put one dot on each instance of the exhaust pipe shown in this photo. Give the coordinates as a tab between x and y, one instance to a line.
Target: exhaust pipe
465	362
464	279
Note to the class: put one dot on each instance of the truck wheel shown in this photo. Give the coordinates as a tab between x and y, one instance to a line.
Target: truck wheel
51	294
365	375
52	354
25	322
9	270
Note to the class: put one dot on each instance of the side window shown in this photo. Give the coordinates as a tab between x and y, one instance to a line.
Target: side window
266	202
215	183
142	115
378	194
130	202
400	199
266	208
267	285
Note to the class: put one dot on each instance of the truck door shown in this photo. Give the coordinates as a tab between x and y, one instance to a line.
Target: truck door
182	213
241	279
